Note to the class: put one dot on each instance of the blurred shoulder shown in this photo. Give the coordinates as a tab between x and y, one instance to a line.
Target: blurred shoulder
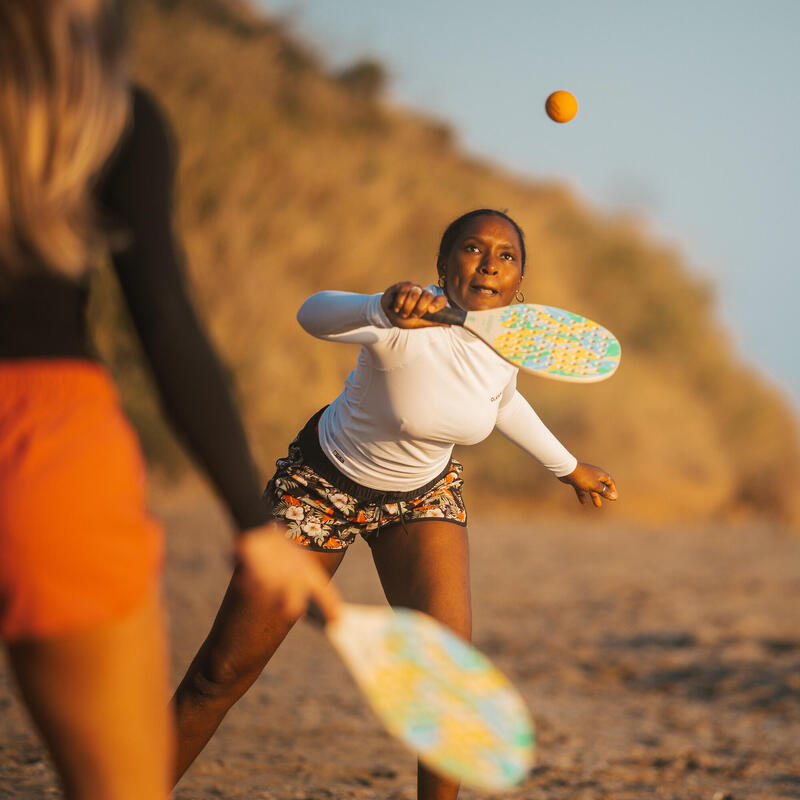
149	128
147	112
145	154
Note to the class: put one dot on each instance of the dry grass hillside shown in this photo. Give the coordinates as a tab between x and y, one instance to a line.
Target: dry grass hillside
293	179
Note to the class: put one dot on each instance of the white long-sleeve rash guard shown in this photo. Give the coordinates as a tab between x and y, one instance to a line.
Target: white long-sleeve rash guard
416	393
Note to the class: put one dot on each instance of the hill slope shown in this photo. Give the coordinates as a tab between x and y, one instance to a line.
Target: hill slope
293	180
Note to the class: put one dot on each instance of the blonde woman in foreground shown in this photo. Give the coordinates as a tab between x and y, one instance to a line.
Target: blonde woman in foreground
80	558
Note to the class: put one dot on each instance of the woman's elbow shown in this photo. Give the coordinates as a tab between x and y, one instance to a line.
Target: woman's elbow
306	315
312	317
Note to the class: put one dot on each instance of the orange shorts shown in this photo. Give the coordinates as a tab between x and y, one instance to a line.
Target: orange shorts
77	546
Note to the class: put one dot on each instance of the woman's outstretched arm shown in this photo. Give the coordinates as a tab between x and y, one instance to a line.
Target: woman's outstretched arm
195	391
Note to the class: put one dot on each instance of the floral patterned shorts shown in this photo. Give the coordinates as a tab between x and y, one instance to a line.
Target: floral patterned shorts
323	515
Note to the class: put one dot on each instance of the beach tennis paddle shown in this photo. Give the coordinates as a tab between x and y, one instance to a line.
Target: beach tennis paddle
436	693
544	340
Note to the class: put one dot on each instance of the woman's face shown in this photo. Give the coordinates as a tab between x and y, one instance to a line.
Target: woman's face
484	268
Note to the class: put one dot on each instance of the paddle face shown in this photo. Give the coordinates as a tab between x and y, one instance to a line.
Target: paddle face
548	341
437	694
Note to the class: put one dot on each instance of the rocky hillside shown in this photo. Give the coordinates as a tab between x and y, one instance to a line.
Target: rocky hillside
293	179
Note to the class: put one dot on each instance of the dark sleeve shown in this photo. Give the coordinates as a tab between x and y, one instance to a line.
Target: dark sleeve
136	191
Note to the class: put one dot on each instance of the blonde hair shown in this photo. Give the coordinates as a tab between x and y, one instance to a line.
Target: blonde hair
63	103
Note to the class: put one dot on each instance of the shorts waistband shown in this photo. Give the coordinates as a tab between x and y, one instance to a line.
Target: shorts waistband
71	379
315	457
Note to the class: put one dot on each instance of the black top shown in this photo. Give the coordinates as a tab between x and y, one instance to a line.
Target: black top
43	315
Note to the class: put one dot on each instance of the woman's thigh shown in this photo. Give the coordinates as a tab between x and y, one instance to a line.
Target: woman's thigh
99	698
246	633
426	567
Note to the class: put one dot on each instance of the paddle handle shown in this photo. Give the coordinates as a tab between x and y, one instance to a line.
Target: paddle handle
314	614
447	316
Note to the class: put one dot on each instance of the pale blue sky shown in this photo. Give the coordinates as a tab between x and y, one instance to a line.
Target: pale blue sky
689	116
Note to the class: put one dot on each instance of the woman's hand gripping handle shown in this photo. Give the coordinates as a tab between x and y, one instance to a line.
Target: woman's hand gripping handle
406	303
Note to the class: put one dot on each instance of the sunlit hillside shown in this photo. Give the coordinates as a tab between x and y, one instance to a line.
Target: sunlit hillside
293	179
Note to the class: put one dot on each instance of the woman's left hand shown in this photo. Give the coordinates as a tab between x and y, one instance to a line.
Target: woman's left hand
590	481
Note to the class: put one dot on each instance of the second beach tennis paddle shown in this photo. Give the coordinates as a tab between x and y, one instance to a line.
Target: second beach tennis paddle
436	693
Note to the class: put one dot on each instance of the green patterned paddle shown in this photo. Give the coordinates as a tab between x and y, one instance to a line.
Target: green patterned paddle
544	340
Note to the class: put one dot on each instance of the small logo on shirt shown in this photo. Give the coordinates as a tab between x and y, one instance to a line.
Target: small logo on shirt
338	455
496	397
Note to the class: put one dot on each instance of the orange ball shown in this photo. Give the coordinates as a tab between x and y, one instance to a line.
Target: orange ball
561	106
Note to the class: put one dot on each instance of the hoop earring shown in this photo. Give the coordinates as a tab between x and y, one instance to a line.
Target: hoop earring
442	281
519	296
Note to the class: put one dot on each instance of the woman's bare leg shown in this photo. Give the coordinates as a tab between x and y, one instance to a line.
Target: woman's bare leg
427	569
242	640
99	699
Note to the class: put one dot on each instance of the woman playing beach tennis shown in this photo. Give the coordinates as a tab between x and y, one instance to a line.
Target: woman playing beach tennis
80	557
377	462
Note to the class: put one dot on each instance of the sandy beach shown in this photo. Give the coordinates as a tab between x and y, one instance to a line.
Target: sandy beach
656	662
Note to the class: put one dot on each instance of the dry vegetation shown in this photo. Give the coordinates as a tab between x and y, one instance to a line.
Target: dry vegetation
292	180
